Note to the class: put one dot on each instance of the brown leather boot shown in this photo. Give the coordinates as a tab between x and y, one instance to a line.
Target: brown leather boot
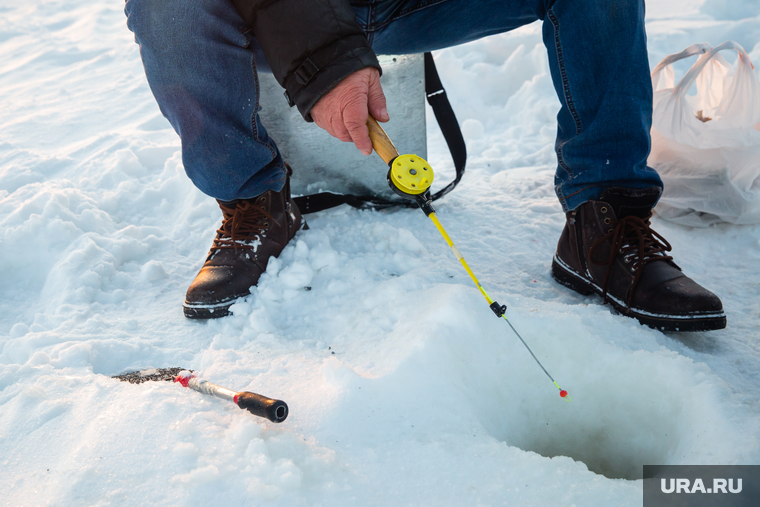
609	248
252	231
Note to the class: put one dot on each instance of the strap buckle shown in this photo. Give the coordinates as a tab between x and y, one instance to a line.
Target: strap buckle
305	72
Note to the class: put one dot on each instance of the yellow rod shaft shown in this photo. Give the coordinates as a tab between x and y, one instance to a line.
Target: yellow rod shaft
485	294
459	256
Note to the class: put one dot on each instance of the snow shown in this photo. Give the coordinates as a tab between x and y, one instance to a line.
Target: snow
403	388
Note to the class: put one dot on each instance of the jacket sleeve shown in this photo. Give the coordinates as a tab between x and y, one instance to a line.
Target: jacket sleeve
310	45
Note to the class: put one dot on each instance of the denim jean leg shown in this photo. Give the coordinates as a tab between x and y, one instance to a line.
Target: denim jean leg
599	65
416	26
202	72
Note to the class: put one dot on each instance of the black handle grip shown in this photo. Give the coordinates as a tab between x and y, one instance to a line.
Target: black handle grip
274	410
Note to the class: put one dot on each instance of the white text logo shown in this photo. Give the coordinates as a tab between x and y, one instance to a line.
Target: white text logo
685	486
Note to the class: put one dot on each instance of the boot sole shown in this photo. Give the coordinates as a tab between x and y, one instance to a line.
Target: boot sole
216	311
566	276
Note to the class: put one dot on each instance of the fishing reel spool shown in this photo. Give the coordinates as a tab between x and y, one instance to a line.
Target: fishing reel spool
410	177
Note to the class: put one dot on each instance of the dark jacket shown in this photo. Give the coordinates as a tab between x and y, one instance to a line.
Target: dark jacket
310	45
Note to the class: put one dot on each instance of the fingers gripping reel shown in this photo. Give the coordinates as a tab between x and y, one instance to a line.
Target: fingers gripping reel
410	177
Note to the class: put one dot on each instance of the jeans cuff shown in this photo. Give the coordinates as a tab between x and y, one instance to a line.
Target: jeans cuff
592	193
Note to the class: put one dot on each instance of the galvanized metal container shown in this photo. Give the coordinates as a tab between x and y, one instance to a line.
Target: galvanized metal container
320	162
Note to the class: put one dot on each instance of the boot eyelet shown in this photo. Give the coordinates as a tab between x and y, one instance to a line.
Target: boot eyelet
607	220
266	224
604	210
626	260
609	231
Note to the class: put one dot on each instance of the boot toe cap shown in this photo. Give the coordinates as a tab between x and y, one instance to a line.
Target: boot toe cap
681	296
218	285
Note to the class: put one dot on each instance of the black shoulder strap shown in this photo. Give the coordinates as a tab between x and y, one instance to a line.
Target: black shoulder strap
447	120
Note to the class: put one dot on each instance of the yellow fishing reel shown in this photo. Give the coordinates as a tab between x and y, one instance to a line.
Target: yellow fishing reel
410	176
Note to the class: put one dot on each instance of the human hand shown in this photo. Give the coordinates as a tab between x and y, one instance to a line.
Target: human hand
343	111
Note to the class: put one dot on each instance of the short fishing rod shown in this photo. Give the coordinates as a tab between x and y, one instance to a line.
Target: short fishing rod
410	177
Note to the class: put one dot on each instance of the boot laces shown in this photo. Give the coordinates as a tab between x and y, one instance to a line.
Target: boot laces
633	238
243	225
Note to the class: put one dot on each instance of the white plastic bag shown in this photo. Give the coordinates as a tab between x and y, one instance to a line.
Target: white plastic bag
706	147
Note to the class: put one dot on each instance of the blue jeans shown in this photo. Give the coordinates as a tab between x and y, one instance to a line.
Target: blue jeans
202	62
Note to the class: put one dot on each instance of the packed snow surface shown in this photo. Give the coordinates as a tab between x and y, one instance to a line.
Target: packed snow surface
403	388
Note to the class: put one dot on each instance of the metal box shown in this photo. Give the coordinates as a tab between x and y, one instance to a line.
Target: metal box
320	162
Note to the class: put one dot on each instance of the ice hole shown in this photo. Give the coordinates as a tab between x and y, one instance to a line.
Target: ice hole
643	410
614	449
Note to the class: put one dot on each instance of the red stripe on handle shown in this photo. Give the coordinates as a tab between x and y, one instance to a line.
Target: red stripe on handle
183	380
